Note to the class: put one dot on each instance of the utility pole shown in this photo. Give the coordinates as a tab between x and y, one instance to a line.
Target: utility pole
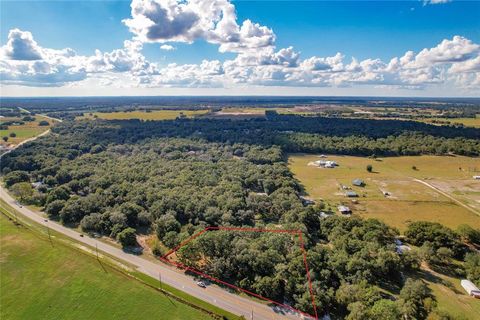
49	236
251	318
160	278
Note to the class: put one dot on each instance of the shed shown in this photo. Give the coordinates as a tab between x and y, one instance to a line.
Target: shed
358	182
351	194
344	210
476	177
37	184
470	288
402	248
307	201
323	214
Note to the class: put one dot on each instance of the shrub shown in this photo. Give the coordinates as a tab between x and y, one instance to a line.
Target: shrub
16	177
420	232
54	207
127	237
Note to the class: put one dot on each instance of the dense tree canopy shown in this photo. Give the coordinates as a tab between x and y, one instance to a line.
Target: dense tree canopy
174	178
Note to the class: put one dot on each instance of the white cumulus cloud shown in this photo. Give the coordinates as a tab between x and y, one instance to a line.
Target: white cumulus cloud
454	62
214	21
167	47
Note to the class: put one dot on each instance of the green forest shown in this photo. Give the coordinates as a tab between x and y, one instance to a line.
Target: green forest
174	178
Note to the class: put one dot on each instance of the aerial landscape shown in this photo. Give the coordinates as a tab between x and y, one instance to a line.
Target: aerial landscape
216	159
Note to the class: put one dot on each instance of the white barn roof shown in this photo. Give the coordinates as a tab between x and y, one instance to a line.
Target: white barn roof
469	286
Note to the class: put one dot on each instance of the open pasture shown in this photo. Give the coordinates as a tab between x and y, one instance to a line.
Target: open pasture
27	130
468	122
143	115
399	189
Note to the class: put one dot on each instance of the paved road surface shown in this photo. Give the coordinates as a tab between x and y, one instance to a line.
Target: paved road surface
175	278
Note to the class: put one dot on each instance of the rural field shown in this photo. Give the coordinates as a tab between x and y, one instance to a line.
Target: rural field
450	295
142	115
45	281
298	110
468	122
432	188
24	131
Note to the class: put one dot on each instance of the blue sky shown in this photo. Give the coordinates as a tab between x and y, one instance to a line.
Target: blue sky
360	29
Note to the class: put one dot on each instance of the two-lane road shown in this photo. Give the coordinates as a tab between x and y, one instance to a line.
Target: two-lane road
175	278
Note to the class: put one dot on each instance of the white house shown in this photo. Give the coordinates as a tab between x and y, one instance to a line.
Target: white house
330	164
325	163
471	289
476	177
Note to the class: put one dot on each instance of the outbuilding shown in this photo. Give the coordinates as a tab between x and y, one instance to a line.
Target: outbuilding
330	164
344	210
351	194
37	184
471	288
306	201
400	247
323	214
358	182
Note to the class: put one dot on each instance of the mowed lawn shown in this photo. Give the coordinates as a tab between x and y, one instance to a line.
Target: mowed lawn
409	200
142	115
41	281
24	131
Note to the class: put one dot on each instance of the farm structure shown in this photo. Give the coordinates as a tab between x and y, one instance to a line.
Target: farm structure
470	288
358	183
344	210
351	194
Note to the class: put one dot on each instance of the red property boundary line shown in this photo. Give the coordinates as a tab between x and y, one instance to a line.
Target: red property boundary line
302	247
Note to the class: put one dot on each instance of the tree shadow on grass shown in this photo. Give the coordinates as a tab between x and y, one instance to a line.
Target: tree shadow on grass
431	277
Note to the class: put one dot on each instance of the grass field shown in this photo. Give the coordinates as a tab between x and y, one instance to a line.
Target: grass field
451	297
409	200
449	294
468	122
142	115
24	131
261	111
41	281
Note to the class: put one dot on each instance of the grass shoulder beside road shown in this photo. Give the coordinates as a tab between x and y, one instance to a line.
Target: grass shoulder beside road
56	280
